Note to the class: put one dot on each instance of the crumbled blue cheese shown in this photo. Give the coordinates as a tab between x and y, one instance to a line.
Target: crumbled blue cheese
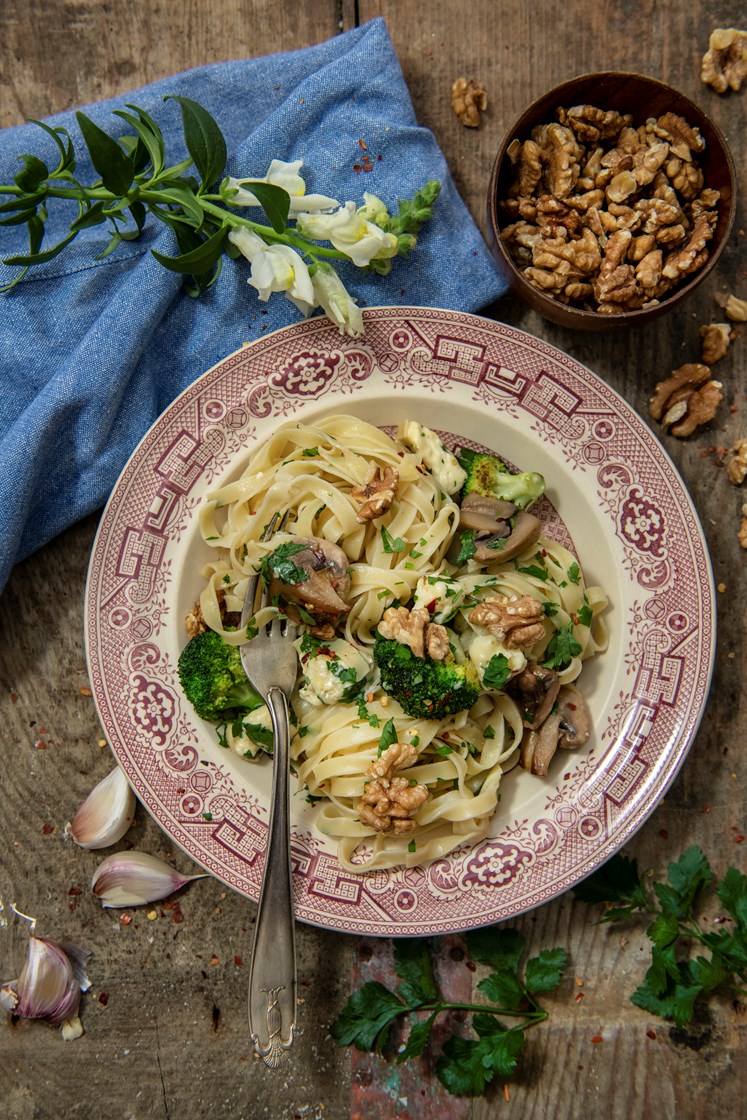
441	463
484	647
440	595
334	674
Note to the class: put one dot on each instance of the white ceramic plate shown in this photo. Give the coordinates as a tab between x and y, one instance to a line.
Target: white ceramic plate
614	493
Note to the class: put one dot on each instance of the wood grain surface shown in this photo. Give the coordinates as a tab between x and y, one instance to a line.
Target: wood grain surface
166	1032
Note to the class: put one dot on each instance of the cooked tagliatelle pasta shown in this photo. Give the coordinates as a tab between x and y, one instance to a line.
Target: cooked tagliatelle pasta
441	633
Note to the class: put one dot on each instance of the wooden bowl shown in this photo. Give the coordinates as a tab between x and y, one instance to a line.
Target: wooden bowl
642	98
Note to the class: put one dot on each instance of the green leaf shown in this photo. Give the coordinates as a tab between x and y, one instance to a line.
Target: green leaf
114	242
148	133
23	201
35	172
467	547
503	989
690	874
664	930
732	893
113	165
391	544
467	1066
500	948
203	138
710	973
414	965
544	973
497	672
368	1013
678	1003
66	150
562	648
418	1038
275	202
183	197
388	736
92	216
618	880
198	260
39	257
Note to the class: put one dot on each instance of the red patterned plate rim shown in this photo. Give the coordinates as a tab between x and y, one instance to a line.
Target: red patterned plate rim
614	491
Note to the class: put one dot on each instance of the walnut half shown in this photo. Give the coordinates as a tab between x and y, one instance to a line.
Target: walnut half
390	801
414	628
517	621
687	399
724	64
377	495
468	100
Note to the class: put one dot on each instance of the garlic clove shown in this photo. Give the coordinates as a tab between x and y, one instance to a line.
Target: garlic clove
106	813
47	987
72	1029
134	878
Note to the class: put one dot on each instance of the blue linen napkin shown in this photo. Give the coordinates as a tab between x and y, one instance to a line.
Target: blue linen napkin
91	352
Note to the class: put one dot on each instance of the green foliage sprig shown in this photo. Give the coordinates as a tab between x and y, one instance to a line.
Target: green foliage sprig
676	980
136	179
466	1065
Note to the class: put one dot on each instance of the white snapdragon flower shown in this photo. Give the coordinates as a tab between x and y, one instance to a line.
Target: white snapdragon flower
275	268
351	233
285	175
333	296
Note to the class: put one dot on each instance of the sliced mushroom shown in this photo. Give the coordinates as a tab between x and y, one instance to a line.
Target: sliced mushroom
482	512
535	690
538	747
568	726
327	587
575	720
525	532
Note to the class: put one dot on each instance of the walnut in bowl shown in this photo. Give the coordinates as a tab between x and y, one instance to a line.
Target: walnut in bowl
611	198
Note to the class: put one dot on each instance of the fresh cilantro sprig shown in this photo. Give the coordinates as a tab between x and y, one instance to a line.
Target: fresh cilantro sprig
675	980
466	1065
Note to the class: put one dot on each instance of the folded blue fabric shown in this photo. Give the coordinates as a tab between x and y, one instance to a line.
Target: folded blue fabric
92	351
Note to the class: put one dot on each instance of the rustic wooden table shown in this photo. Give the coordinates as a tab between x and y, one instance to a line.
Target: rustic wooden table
171	1040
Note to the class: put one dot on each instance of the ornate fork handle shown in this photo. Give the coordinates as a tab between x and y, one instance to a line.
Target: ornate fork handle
272	978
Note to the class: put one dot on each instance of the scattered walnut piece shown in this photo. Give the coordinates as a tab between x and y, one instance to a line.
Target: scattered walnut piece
468	100
714	342
736	462
194	622
742	534
736	309
517	621
389	802
377	495
724	64
686	400
414	629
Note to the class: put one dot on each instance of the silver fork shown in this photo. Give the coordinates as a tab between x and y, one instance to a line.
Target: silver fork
270	663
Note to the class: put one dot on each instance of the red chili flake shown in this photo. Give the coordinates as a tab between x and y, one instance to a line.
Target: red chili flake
363	145
471	966
14	697
357	168
597	1039
739	838
663	833
86	692
578	997
379	156
706	809
506	1093
40	745
651	1033
125	919
367	167
238	961
75	890
214	960
47	828
572	707
103	998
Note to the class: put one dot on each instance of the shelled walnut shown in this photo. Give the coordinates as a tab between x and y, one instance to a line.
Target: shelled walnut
724	64
468	100
715	339
736	462
687	399
607	215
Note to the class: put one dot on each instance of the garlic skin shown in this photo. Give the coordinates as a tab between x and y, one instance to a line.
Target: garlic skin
106	813
49	986
135	878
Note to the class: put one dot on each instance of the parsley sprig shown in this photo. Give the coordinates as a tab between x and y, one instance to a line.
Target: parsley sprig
676	980
466	1065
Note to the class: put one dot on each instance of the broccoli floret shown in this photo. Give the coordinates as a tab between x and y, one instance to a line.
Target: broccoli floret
213	678
425	688
489	476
